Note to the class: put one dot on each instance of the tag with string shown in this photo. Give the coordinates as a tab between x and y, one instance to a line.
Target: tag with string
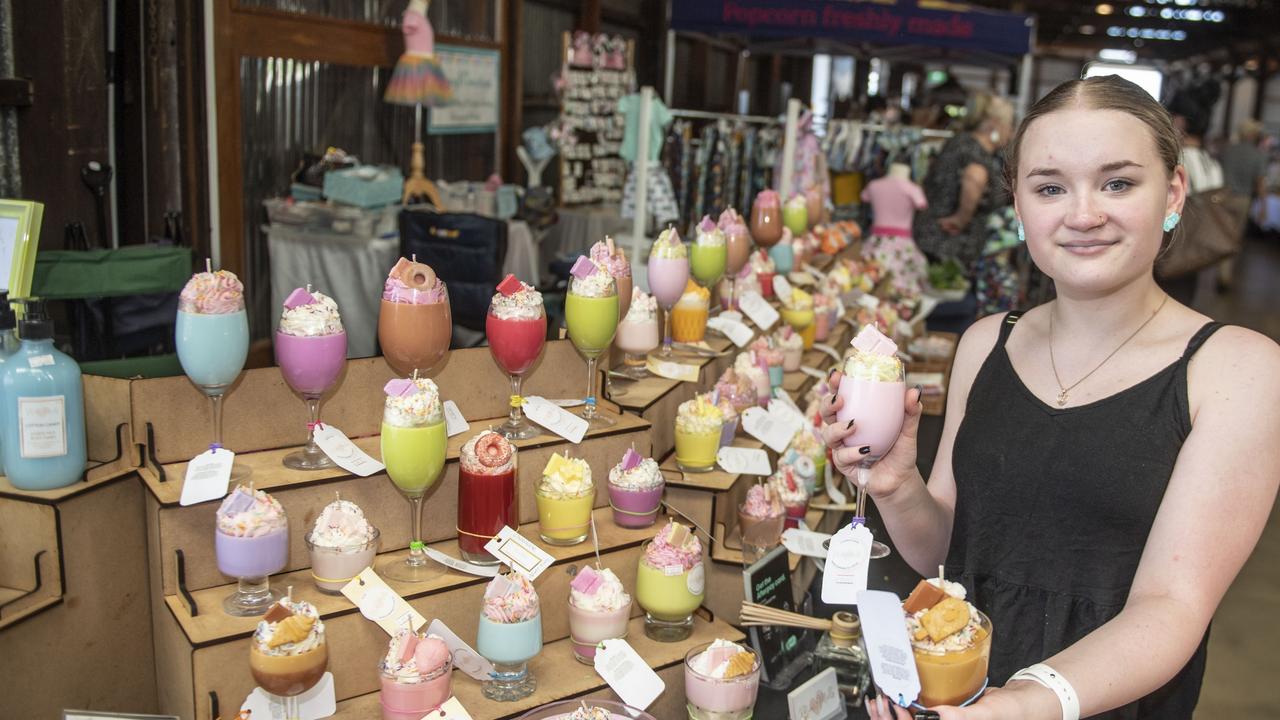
555	418
379	603
848	559
342	451
208	476
454	422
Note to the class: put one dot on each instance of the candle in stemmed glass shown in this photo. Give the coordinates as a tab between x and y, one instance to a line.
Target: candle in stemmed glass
414	322
709	255
517	330
413	449
668	274
591	314
738	241
310	348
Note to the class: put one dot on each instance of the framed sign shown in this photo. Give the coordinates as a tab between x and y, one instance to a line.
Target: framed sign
19	238
476	78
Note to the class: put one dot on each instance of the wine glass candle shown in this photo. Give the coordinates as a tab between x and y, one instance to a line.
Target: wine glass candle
874	392
668	275
414	322
709	255
738	243
311	348
413	449
212	339
517	329
591	313
766	218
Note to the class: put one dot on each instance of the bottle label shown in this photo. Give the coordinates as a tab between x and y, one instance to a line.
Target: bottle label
42	423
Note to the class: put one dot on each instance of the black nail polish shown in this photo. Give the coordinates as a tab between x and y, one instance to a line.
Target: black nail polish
851	421
833	397
872	693
920	390
831	372
927	715
864	450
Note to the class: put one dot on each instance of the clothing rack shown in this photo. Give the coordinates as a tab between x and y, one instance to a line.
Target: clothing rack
881	127
704	115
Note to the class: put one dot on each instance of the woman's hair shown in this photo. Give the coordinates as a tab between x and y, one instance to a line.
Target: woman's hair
984	107
1108	92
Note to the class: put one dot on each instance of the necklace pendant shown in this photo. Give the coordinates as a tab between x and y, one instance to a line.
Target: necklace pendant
1062	398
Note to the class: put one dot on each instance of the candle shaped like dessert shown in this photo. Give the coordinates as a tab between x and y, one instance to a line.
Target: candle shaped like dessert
721	679
635	490
795	215
598	610
814	204
670	583
668	274
760	521
824	316
951	641
764	268
708	256
808	445
774	359
756	371
310	348
789	342
738	247
251	542
783	253
414	322
614	261
413	449
797	311
509	636
342	544
591	317
689	316
766	218
638	333
486	494
565	497
729	419
516	326
792	492
698	423
416	675
288	653
737	389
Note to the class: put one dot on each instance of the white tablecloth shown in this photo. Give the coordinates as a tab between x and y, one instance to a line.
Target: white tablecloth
577	229
351	269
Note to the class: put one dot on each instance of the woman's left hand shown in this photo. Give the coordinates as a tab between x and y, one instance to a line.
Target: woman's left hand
1025	701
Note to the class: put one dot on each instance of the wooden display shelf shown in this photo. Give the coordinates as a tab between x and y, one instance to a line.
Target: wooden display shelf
562	677
715	480
31	577
728	545
96	473
269	472
209	624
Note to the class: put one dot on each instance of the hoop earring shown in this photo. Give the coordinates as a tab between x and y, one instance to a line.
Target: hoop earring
1171	221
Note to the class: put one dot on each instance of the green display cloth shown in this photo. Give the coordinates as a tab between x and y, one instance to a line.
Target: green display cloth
130	270
145	367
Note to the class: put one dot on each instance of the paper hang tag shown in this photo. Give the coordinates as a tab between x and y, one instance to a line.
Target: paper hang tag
758	310
207	478
733	315
812	372
813	271
823	347
869	301
672	370
784	398
800	278
847	563
465	657
782	289
454	422
789	414
889	653
627	673
555	418
833	492
461	565
840	310
774	430
817	699
737	332
805	542
451	710
520	553
379	603
314	704
341	450
744	461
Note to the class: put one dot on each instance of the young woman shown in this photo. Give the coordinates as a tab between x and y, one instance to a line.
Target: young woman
1109	459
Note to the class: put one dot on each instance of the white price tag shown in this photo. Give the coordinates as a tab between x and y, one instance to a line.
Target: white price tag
36	361
628	674
833	492
454	422
672	370
823	347
341	450
906	329
774	430
812	372
805	542
758	310
737	332
840	309
733	315
208	475
314	704
461	565
555	418
519	552
814	271
800	278
847	562
817	699
782	288
893	665
789	414
784	397
869	301
451	710
379	603
744	461
465	657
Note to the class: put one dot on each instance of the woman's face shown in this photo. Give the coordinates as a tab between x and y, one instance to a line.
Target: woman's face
1092	194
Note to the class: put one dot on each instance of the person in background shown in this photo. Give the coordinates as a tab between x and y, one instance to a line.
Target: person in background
1190	109
1244	170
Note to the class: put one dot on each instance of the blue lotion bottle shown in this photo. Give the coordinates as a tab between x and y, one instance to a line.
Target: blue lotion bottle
41	409
8	346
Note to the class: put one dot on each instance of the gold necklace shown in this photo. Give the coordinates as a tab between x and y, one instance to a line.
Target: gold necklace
1062	394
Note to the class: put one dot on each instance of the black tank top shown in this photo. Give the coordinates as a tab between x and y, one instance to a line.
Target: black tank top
1053	509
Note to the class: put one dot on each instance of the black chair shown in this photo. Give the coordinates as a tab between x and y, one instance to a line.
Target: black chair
466	251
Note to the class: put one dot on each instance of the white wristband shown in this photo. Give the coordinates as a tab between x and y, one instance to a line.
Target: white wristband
1053	680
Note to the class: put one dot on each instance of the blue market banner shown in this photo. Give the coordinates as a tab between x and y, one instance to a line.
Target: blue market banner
902	22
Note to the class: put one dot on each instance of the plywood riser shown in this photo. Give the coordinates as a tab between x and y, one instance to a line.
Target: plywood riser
31	536
191	529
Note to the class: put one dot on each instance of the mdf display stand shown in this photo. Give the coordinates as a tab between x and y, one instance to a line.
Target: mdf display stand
202	653
75	627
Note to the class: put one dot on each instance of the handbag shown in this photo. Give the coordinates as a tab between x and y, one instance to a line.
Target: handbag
467	252
1212	229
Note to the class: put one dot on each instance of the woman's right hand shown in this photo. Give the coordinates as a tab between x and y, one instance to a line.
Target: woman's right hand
892	470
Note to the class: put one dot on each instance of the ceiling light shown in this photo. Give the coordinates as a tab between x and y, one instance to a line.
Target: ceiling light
1104	9
1137	11
1088	29
1116	55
